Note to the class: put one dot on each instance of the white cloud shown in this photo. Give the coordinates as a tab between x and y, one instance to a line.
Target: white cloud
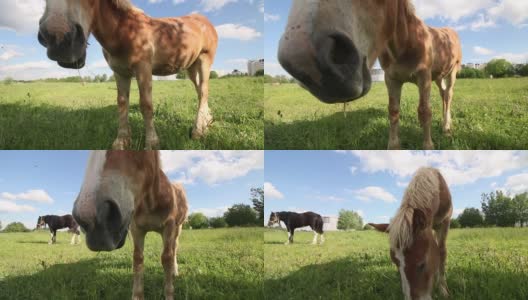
30	195
517	184
372	193
21	15
450	9
212	167
514	11
10	207
237	32
330	198
402	184
271	17
154	1
8	53
482	51
518	58
270	191
458	167
47	69
212	5
212	212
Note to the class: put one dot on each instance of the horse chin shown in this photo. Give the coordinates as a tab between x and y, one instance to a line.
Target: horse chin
78	64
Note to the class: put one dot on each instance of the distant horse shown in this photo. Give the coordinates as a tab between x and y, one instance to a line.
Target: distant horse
329	46
58	222
294	220
134	45
128	189
418	234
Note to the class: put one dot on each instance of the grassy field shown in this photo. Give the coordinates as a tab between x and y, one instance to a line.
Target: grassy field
481	264
43	115
213	264
487	114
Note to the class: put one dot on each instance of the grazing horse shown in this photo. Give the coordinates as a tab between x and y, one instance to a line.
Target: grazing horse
58	222
294	220
134	45
329	46
418	234
128	189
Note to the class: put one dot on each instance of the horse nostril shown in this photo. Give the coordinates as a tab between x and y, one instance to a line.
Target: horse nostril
42	40
109	215
342	51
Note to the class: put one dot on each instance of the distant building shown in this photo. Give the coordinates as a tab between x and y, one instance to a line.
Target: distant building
254	66
237	73
476	66
378	75
330	223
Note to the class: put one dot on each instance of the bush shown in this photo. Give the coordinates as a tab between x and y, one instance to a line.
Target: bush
240	215
198	221
471	217
259	73
500	68
471	73
8	81
349	219
218	222
455	223
16	227
213	75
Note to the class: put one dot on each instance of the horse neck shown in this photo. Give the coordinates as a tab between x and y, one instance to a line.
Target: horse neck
403	33
106	22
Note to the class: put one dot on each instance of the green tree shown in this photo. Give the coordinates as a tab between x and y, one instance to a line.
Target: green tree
470	217
259	73
520	206
523	70
213	75
500	68
198	220
8	80
257	197
218	222
16	227
454	223
349	219
104	78
240	215
111	78
498	209
0	225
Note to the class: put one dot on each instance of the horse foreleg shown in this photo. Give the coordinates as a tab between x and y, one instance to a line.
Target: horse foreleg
138	237
177	240
168	257
394	88
144	79
51	238
441	236
448	97
72	242
122	141
203	117
424	108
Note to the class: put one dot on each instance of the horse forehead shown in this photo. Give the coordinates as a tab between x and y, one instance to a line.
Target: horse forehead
400	256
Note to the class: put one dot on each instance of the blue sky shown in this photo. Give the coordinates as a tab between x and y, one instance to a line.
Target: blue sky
487	28
34	183
373	182
239	23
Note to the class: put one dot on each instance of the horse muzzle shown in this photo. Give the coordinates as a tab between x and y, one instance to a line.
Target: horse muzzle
328	65
68	49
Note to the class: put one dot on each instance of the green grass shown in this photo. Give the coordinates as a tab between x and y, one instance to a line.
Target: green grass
213	264
43	115
481	264
487	114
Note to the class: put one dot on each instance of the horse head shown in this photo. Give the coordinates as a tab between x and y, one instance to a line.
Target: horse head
64	30
114	184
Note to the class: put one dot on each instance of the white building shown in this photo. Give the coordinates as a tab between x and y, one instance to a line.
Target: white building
254	66
378	75
330	223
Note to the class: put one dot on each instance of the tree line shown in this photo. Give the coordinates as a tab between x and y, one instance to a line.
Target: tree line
238	215
498	68
497	209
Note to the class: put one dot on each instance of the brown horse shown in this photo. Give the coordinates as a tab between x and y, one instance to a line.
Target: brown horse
128	189
134	45
329	46
418	234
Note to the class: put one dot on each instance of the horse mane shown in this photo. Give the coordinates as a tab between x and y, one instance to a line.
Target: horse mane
422	189
124	5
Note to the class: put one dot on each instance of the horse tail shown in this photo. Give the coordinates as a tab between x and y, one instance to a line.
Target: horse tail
319	225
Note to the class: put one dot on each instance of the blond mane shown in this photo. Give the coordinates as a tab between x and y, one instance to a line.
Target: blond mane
422	190
125	5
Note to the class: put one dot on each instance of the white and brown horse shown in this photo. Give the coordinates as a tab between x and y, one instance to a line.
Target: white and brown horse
134	45
127	189
418	234
329	46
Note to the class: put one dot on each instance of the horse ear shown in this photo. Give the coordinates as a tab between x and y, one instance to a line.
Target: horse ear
380	227
419	220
